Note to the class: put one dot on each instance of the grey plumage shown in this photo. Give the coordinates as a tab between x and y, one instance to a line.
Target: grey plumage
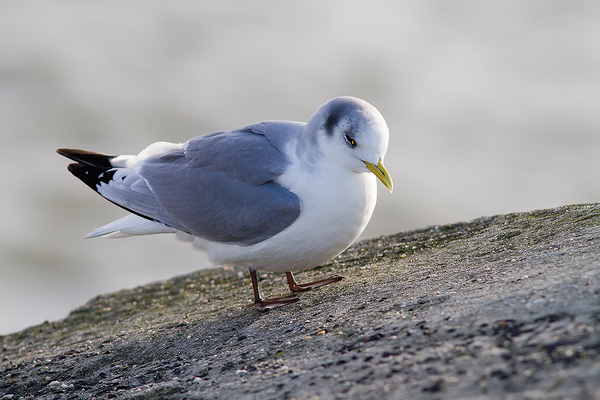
220	187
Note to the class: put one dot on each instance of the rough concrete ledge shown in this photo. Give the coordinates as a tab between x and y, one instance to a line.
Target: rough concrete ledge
501	307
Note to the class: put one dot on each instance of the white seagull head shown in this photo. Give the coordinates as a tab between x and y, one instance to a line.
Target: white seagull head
353	134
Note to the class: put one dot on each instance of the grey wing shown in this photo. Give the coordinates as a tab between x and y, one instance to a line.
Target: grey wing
221	187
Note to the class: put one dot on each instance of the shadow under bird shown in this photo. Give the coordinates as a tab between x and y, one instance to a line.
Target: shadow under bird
275	195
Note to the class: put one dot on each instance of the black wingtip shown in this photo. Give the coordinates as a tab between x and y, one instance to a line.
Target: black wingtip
91	175
87	157
93	169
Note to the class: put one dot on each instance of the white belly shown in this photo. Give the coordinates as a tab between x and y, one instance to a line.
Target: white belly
335	208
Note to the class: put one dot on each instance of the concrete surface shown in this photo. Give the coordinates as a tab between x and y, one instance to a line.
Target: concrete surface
503	307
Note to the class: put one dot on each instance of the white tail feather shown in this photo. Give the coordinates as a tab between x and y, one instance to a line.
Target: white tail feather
130	225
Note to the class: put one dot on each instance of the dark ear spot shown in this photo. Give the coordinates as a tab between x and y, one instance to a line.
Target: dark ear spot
331	122
340	109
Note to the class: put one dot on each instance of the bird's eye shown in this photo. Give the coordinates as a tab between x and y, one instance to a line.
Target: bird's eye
350	141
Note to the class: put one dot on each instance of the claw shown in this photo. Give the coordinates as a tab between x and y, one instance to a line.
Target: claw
269	304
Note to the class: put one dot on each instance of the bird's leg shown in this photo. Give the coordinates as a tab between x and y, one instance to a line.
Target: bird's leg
264	305
296	287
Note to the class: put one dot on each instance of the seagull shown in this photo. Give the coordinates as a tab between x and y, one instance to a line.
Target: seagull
279	196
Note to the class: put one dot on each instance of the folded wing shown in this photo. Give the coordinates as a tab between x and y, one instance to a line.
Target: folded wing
220	187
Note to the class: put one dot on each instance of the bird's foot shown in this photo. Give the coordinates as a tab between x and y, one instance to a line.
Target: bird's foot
302	287
269	304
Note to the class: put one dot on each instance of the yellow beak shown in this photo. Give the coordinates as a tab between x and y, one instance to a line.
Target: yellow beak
380	172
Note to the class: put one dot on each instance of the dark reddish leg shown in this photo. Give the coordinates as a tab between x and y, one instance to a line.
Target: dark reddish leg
264	305
296	287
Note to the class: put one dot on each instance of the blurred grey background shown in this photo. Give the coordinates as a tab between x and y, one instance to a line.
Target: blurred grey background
493	107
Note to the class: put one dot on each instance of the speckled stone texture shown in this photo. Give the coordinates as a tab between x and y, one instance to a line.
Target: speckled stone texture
504	307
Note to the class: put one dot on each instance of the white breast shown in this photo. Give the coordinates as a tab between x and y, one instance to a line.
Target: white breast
336	205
